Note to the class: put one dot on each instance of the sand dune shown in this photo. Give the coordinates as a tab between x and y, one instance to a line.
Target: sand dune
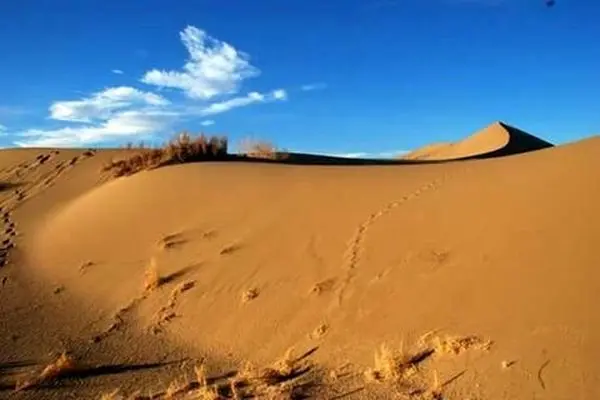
496	140
485	270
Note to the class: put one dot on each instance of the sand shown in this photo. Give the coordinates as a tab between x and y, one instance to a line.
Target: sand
496	140
484	268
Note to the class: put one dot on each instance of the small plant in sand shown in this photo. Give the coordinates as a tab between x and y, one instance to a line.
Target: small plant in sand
60	367
260	149
389	366
400	369
283	380
114	395
250	295
183	148
152	279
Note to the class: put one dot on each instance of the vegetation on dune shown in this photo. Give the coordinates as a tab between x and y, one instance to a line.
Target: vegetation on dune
184	148
261	149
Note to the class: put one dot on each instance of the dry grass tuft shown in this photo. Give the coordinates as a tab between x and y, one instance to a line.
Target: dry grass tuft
60	367
114	395
404	370
434	392
152	279
282	380
182	149
390	366
401	370
261	149
250	295
286	379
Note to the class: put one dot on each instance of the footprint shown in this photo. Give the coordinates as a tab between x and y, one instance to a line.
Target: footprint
84	266
230	249
379	276
118	320
323	286
166	313
42	158
171	241
319	331
211	234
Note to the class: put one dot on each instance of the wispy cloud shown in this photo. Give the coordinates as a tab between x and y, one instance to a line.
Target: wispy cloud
211	79
117	71
313	86
122	124
101	105
250	98
3	130
207	122
214	68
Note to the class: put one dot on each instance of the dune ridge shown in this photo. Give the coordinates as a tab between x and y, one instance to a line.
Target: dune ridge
470	279
496	140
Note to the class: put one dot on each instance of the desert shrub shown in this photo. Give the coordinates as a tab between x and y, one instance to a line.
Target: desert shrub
260	149
182	149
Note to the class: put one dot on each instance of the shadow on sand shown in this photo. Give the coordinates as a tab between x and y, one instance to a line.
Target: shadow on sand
8	186
12	371
518	142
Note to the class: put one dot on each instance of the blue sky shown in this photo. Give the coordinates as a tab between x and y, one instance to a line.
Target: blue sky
335	76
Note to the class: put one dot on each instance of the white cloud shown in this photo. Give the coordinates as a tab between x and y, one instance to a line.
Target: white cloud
125	123
280	94
211	77
223	106
117	71
214	68
250	98
102	104
313	86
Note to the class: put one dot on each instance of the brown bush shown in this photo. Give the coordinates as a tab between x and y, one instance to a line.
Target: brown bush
261	149
182	149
